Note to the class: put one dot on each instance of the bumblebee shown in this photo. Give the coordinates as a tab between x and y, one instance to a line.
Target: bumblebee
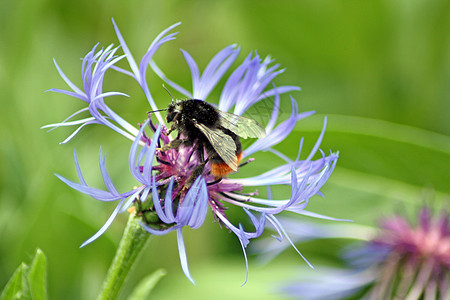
212	131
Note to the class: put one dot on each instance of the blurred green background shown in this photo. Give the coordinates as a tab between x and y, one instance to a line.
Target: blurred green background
379	70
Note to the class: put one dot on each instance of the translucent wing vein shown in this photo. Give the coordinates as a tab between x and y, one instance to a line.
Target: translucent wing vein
222	143
241	126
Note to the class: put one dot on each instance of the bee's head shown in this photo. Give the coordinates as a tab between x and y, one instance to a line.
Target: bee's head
173	111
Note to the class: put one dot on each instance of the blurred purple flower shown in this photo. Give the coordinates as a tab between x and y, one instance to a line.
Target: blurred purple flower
402	262
162	197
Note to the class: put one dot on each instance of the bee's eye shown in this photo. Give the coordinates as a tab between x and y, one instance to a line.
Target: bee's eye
170	116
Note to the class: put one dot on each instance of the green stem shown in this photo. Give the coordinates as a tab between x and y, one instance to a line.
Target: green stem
133	242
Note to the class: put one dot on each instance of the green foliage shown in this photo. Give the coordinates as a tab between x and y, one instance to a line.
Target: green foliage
28	282
145	286
37	276
17	286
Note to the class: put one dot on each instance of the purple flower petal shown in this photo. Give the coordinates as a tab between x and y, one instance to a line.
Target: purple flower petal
163	76
183	256
105	226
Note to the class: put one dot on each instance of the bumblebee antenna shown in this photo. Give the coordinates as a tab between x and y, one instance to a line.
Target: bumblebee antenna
152	111
168	92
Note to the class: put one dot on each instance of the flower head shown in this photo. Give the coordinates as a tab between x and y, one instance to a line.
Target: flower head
404	261
176	184
415	257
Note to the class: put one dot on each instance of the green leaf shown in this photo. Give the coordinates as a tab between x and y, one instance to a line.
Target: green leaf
28	282
17	286
143	289
37	276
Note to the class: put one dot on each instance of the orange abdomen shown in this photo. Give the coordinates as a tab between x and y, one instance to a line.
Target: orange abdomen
222	169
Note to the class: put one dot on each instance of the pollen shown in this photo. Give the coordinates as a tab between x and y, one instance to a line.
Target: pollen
132	210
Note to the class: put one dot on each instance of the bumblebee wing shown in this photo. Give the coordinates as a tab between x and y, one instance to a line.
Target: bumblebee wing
243	127
222	143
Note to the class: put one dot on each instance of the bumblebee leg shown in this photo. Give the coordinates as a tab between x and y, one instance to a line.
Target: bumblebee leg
200	153
198	170
174	126
215	181
175	144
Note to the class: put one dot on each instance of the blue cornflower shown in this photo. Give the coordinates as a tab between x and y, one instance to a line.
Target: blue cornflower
162	197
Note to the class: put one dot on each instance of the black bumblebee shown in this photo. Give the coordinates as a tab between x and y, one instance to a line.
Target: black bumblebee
213	131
